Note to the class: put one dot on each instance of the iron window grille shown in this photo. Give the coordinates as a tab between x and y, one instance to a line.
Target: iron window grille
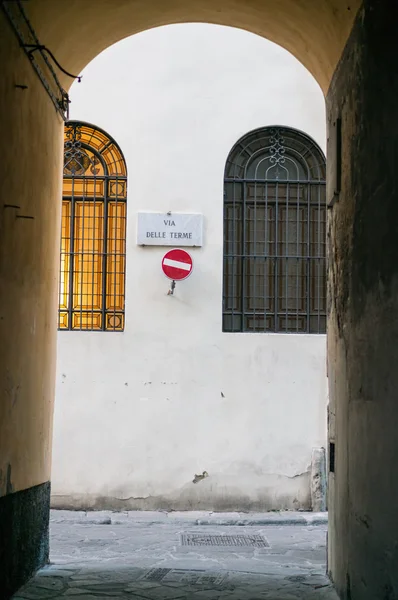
93	231
274	275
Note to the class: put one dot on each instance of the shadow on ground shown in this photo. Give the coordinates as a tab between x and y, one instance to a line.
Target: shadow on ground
167	583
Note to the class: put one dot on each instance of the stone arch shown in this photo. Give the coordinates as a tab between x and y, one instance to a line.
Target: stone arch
361	87
314	32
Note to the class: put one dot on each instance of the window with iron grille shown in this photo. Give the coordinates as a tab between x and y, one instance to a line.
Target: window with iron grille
274	277
93	232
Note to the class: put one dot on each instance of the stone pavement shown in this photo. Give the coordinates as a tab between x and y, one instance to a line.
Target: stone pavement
184	556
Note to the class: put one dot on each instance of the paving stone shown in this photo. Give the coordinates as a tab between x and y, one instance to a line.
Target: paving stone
138	556
33	592
144	585
103	588
50	583
83	596
164	591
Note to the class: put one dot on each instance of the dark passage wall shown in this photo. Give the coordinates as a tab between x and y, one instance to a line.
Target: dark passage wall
30	187
24	520
363	325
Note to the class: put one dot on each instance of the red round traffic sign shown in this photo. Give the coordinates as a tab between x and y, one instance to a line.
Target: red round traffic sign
177	264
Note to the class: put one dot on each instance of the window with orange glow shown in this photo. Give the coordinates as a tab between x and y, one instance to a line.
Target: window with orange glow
93	231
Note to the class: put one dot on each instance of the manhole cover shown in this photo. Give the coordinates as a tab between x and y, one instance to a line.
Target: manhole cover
242	541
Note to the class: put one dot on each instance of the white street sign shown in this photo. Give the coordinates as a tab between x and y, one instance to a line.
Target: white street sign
174	229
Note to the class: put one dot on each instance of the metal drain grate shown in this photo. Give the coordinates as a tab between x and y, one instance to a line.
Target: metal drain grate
242	541
156	574
198	577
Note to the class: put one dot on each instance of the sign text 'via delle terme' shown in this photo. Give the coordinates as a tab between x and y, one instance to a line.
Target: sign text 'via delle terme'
169	229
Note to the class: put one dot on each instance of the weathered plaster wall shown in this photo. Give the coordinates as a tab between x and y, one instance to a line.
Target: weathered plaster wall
139	413
363	328
144	412
30	178
30	167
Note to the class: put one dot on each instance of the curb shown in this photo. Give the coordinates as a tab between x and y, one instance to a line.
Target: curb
149	518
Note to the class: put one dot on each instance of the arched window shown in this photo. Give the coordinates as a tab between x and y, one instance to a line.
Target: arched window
93	234
275	234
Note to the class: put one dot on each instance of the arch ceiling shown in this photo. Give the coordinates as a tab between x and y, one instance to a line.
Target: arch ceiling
315	31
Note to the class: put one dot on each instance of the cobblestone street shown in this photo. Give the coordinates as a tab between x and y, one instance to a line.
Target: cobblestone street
198	556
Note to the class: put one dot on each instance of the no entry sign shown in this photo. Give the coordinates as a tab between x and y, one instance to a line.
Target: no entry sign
177	264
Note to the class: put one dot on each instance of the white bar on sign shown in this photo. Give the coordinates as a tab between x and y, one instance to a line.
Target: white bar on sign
177	264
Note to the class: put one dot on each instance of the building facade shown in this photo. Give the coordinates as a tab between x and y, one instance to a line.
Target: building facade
227	375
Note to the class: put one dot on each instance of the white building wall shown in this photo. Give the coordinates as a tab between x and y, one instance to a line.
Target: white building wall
139	413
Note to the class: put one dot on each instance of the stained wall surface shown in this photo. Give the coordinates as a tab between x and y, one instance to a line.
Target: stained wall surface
75	34
29	245
139	413
362	334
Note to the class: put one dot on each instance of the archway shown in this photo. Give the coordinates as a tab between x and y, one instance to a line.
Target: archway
314	33
362	276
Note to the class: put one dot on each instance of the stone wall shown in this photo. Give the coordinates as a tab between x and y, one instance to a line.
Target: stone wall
363	328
